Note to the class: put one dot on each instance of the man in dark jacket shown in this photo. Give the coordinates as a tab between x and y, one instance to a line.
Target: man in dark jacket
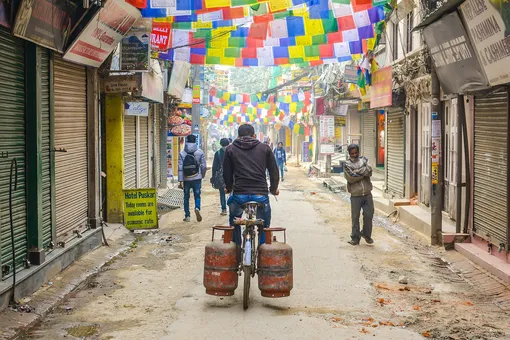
358	173
281	158
217	174
244	171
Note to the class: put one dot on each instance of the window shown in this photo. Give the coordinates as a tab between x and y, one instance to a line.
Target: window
394	41
409	31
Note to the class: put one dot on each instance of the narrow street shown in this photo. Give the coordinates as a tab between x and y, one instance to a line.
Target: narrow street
155	290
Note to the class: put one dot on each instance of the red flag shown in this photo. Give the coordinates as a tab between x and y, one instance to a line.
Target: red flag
138	3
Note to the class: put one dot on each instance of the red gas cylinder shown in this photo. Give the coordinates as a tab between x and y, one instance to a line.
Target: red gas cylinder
220	264
275	266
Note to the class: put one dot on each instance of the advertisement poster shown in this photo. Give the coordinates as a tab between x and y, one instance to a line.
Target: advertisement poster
381	124
196	94
488	24
45	22
327	126
169	157
179	122
136	109
305	152
351	74
103	33
119	84
134	52
381	90
455	60
140	209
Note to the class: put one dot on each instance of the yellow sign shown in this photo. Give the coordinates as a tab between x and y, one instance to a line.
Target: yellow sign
338	132
340	121
140	209
287	137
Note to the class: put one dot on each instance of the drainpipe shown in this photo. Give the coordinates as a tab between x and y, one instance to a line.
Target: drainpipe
460	123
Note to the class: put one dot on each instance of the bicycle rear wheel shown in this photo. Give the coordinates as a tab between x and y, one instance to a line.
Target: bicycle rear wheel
246	287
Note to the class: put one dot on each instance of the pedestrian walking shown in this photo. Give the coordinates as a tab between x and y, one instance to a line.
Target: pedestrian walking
217	180
192	169
358	173
281	158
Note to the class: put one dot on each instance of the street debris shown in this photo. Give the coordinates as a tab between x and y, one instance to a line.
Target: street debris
402	280
19	308
383	301
426	334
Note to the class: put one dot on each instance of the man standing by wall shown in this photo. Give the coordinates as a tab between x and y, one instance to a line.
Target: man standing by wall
358	173
192	168
281	158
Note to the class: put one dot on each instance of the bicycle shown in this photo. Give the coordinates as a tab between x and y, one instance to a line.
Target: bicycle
250	243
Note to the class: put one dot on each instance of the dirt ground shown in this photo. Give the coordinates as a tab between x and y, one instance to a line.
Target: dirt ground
155	291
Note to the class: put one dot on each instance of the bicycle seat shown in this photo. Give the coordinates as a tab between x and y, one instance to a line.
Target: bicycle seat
253	204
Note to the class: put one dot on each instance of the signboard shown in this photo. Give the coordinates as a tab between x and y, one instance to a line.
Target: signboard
381	90
455	61
152	83
119	84
45	22
196	94
489	29
340	121
140	209
160	35
351	74
136	109
342	109
305	152
179	122
327	126
178	78
103	33
134	52
327	149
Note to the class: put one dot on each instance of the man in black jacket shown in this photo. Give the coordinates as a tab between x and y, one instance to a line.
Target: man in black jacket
217	174
244	172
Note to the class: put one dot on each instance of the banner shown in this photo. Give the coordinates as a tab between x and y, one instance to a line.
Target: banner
140	209
103	33
456	64
46	23
381	89
488	25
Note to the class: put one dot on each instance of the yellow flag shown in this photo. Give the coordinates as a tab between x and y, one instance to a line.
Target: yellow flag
226	96
371	44
199	25
215	52
314	27
356	56
278	5
217	3
296	51
304	40
231	119
296	128
228	61
293	108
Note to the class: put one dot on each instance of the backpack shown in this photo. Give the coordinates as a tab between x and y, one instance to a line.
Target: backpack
218	182
190	165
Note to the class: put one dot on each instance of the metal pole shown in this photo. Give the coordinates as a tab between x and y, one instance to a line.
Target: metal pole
195	108
460	113
467	172
436	199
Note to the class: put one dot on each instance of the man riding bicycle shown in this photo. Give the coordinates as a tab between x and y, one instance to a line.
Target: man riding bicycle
244	172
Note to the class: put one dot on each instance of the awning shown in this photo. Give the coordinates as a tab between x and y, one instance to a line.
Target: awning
448	7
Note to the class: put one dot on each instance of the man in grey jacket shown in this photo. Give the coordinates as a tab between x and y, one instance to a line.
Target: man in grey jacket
192	168
358	173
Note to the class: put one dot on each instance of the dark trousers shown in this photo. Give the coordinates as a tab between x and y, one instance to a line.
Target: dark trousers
223	199
357	204
196	186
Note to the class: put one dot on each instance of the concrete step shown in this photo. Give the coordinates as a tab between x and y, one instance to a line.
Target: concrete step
449	239
384	205
485	260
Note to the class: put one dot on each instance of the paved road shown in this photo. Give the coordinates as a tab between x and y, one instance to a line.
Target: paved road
340	292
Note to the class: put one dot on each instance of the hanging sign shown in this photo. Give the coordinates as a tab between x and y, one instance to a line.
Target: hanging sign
136	109
487	26
103	33
351	74
119	84
140	209
45	22
134	52
381	90
160	36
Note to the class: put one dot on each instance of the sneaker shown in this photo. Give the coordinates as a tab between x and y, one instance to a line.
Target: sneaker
224	212
367	239
283	179
186	219
199	217
353	242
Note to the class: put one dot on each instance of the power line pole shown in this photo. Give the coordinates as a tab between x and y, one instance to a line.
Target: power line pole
436	197
195	108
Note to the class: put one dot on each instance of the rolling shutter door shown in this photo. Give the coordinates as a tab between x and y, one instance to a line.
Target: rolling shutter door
46	153
157	152
129	152
395	154
12	132
490	167
144	152
70	134
368	138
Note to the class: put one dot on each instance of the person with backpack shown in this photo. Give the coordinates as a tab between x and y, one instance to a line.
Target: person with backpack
192	168
281	158
217	180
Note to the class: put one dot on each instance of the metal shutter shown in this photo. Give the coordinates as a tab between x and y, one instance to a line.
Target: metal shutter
129	152
70	101
144	152
490	167
395	154
46	153
157	153
368	137
12	125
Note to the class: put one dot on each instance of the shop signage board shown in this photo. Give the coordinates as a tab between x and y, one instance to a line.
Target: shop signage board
140	209
486	22
160	35
342	109
103	33
351	74
119	84
327	126
327	148
45	22
454	58
135	52
381	90
136	109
